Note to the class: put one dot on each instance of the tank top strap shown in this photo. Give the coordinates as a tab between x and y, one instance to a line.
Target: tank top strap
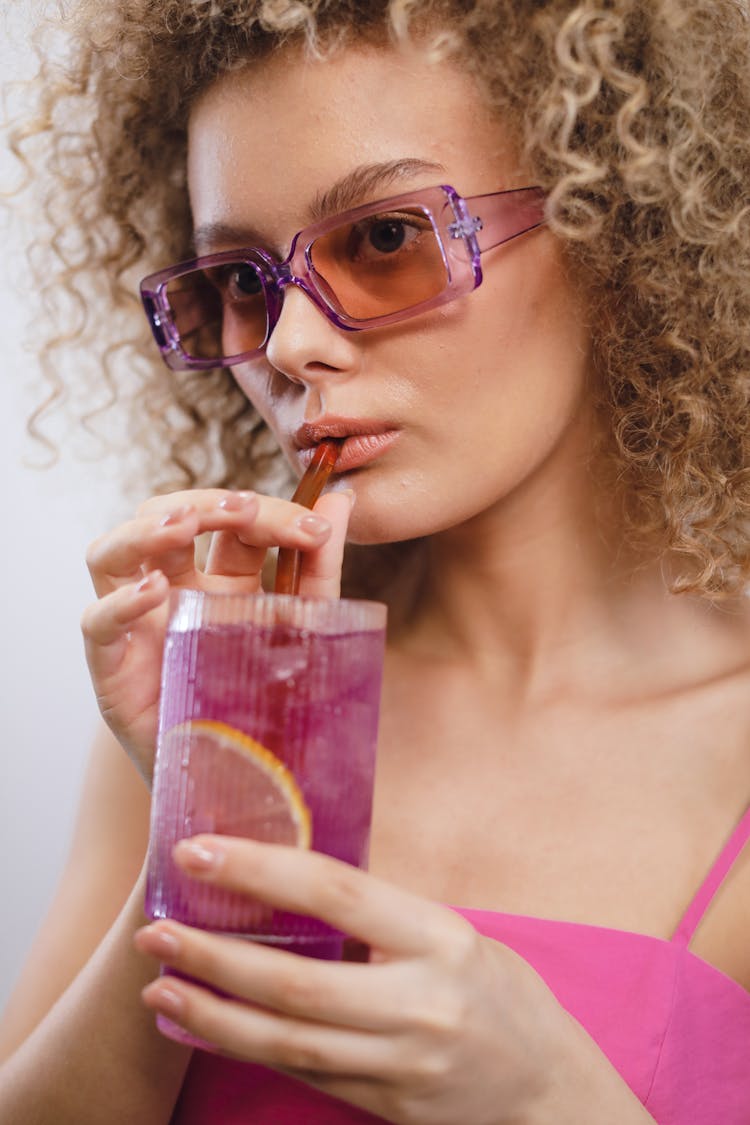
710	885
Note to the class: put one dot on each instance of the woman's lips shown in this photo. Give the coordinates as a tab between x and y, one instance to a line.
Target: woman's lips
361	449
357	450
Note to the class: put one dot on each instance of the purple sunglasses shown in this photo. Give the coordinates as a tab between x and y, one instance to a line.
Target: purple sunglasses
374	265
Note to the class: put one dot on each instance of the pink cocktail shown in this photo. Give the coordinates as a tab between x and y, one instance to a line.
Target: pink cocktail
268	728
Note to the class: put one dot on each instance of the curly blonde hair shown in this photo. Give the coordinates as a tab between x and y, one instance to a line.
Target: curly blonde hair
634	115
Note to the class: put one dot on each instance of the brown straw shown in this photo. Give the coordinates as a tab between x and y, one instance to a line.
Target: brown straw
308	491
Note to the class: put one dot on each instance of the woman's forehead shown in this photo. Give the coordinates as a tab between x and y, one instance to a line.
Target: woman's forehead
288	130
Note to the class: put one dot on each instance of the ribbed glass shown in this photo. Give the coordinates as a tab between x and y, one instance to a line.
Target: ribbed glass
301	677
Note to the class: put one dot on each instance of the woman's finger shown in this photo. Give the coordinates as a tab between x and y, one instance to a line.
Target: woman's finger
121	556
162	537
227	554
242	553
369	997
307	882
320	570
322	553
257	521
108	620
230	557
202	499
250	1033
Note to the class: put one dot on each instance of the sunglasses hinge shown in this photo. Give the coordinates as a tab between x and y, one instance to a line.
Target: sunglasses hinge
465	228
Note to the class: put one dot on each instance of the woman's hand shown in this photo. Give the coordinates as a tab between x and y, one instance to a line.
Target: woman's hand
134	566
441	1026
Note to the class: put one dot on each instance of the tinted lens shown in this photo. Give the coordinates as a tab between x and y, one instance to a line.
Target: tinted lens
382	264
219	312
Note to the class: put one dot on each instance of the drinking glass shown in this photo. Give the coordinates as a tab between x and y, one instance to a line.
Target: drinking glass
267	729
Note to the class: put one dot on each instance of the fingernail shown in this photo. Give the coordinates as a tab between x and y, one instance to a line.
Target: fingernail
148	580
198	857
165	999
238	501
351	494
314	526
160	942
171	1030
177	516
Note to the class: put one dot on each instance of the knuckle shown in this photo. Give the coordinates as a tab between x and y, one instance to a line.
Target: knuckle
299	991
432	1067
295	1052
95	553
457	943
89	619
438	1012
339	886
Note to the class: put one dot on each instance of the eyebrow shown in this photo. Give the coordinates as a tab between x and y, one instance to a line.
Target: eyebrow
363	181
345	193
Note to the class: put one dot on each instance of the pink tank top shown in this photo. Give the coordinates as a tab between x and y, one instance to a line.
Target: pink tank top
677	1029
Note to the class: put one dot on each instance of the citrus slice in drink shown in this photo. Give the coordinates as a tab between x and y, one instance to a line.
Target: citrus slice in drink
234	786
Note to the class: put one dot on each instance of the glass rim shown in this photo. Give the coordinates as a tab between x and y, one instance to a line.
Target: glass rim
190	608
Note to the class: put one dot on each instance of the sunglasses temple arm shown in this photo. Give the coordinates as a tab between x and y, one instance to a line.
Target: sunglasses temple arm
506	215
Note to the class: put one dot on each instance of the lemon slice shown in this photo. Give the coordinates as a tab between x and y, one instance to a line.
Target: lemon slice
241	787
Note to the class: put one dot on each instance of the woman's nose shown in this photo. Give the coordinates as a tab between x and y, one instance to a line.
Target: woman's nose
306	346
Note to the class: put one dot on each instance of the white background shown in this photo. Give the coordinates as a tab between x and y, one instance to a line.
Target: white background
48	713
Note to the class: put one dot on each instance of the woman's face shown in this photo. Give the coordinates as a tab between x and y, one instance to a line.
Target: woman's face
469	402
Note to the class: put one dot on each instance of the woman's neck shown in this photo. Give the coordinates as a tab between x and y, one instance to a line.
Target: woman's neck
545	591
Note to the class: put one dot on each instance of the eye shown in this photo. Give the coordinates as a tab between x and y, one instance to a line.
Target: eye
386	235
243	281
236	281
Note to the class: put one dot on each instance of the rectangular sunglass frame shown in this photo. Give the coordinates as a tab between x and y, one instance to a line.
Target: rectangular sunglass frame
464	227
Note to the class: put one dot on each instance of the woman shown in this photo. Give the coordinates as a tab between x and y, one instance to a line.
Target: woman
556	452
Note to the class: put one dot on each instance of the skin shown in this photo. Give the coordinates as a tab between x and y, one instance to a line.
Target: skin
538	648
434	378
